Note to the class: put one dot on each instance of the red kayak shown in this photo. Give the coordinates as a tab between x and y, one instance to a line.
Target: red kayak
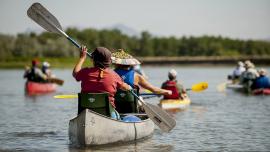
39	88
261	91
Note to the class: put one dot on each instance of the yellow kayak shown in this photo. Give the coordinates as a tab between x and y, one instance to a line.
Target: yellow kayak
174	103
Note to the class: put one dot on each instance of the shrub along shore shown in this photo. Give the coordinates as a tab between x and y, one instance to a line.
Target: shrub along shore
16	51
20	63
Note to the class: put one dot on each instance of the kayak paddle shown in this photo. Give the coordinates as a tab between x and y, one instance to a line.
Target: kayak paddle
196	88
45	19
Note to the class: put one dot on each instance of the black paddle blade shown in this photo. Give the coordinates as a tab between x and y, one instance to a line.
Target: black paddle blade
161	118
44	18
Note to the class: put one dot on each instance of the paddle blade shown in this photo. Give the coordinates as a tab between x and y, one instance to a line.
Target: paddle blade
161	118
199	87
56	80
66	96
44	18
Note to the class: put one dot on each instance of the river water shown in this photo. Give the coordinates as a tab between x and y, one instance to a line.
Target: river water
215	121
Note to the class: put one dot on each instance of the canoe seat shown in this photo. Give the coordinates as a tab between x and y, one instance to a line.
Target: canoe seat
126	102
97	102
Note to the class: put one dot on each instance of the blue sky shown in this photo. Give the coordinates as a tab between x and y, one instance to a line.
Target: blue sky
244	19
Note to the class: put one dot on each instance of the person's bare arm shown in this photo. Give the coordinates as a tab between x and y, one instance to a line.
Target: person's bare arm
125	87
79	64
146	85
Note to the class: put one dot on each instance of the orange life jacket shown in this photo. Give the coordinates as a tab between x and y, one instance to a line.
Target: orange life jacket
171	85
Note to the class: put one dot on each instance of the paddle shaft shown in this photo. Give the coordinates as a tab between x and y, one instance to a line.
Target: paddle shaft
152	95
71	40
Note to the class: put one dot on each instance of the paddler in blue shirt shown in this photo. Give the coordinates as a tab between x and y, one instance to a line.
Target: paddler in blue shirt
261	82
124	63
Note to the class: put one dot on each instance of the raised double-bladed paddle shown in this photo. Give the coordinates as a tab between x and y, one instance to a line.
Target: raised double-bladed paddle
45	19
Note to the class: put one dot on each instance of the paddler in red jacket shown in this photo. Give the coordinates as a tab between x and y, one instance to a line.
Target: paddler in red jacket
178	91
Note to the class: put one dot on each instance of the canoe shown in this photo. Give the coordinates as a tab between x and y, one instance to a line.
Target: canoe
234	86
90	128
265	91
244	89
39	88
239	88
174	103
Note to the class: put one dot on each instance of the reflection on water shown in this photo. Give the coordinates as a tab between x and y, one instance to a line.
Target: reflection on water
215	121
145	145
32	134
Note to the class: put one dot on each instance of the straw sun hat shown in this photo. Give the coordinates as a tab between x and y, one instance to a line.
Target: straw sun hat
123	58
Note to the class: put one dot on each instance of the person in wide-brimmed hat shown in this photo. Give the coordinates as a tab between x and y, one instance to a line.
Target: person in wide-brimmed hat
124	63
100	78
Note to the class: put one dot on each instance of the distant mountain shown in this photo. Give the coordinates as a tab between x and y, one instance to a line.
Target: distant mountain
125	30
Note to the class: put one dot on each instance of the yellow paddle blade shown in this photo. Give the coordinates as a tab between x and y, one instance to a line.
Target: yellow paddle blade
66	96
199	87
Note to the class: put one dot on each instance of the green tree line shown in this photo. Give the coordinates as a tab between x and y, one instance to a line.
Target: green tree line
28	45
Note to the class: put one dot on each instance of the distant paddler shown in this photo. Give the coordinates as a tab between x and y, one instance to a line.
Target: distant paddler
237	72
178	90
34	73
46	69
43	75
261	82
248	76
124	64
37	81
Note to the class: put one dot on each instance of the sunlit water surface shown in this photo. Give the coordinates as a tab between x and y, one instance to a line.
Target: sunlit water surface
215	121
